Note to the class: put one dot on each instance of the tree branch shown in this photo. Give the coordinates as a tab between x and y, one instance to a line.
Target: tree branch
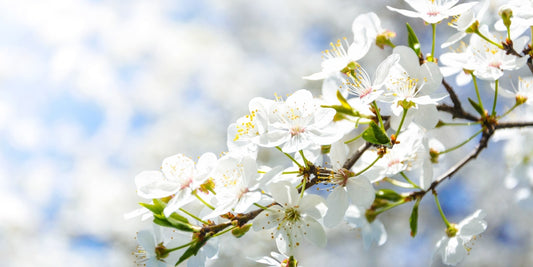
456	110
351	161
504	125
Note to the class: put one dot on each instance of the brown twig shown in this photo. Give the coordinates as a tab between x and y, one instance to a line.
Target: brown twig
456	110
504	125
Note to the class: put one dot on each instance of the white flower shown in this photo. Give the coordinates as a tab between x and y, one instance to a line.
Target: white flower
524	91
300	122
370	24
339	57
245	134
455	63
347	188
153	245
488	61
277	260
361	85
522	17
294	218
413	84
373	233
236	179
453	247
461	23
178	176
433	11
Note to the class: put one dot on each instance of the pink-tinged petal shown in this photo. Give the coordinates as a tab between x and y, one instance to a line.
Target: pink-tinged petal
153	184
314	232
360	191
454	252
407	13
337	205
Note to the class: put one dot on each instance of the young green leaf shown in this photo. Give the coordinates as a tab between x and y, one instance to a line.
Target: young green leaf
388	194
476	106
375	135
412	40
413	220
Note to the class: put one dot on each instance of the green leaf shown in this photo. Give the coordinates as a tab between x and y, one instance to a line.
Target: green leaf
388	194
413	220
179	222
412	40
192	250
162	222
240	231
375	135
156	209
476	106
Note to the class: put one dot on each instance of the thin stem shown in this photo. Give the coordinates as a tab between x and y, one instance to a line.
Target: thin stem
434	28
193	216
303	157
477	93
290	172
397	183
404	113
461	144
440	210
260	206
509	111
390	206
500	46
180	247
368	167
375	105
203	201
355	138
459	123
531	30
409	181
224	231
493	113
289	156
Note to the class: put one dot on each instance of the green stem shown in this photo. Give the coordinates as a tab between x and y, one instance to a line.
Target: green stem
291	172
500	46
390	206
397	183
477	93
401	122
493	113
193	216
355	138
180	247
409	181
203	201
262	207
509	111
459	123
289	156
375	105
461	144
225	231
434	28
440	210
368	167
306	162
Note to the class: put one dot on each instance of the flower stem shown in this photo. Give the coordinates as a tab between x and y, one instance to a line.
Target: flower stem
375	105
355	138
434	28
303	157
289	156
500	46
440	210
461	144
493	113
404	113
224	231
409	181
509	111
203	201
368	167
193	216
459	123
477	93
180	247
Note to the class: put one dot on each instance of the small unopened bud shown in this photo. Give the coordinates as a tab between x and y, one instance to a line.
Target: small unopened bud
452	230
434	155
506	14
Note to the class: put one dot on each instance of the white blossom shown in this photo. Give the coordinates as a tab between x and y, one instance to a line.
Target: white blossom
433	11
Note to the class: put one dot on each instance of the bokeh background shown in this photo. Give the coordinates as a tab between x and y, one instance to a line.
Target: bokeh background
92	92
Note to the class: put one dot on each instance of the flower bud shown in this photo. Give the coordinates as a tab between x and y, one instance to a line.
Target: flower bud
473	28
506	14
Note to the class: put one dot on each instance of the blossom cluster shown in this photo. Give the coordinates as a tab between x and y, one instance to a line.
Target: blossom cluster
298	165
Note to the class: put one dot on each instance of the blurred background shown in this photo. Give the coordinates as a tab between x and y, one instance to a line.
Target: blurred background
92	92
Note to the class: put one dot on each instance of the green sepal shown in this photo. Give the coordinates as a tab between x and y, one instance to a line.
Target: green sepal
343	108
292	262
156	209
240	231
412	40
388	194
162	222
179	222
413	219
192	250
375	135
476	106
